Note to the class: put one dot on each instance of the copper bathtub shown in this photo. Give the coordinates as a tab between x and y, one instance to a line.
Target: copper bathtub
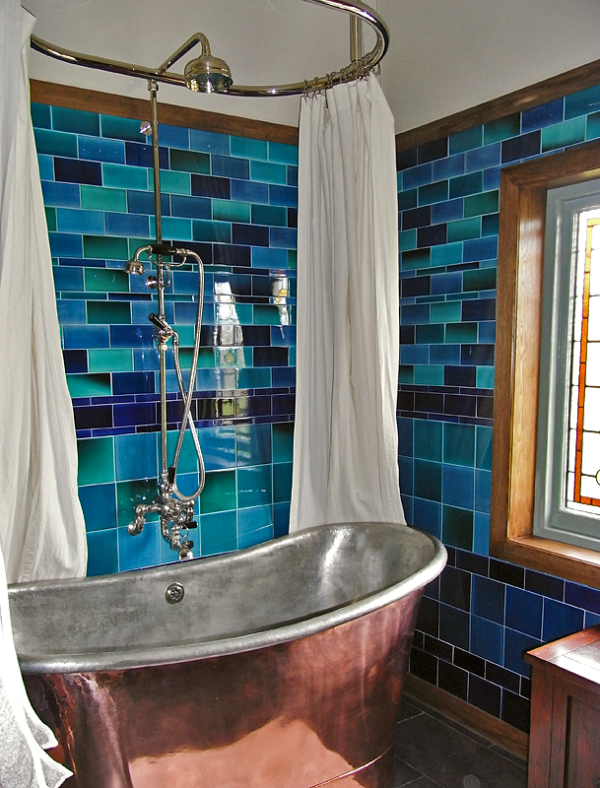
280	666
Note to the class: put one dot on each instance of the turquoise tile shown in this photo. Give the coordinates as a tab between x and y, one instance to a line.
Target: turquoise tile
406	373
248	148
105	280
282	482
407	240
593	126
562	134
95	149
136	456
218	447
428	375
73	220
112	360
108	313
465	140
89	385
121	128
486	202
137	552
231	211
219	492
56	143
481	534
255	486
76	121
582	102
446	254
485	377
253	444
482	279
457	527
433	192
464	229
253	519
459	444
416	259
255	537
190	161
129	494
283	442
99	505
175	229
103	555
209	142
266	172
502	129
283	154
172	182
188	461
96	461
447	312
50	218
428	440
264	257
124	177
269	215
100	198
464	185
218	232
40	116
218	533
46	165
461	333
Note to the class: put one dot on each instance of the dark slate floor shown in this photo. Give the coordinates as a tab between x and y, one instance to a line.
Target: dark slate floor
434	752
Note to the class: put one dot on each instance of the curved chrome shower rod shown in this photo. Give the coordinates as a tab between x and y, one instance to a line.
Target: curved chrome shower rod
357	9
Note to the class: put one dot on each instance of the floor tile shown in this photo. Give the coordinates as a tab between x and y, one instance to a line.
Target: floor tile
447	756
407	710
403	774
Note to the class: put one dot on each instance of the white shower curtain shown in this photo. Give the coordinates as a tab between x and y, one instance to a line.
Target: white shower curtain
42	530
345	437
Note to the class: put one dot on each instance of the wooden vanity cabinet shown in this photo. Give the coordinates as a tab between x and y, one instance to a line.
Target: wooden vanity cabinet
564	743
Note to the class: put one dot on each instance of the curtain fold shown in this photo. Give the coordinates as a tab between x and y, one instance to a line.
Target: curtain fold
42	530
345	436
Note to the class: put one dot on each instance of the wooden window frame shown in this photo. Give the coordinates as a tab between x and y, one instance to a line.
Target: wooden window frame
523	193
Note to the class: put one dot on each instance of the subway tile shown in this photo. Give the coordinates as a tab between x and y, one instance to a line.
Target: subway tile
267	172
482	158
563	134
433	192
121	128
583	102
210	186
405	159
121	176
282	195
502	129
429	151
74	171
83	337
230	167
481	309
56	143
484	203
447	211
46	166
480	249
428	335
450	254
477	355
463	185
409	198
466	140
447	312
431	236
218	232
65	245
453	680
543	115
40	116
417	259
417	176
75	361
62	194
522	147
97	149
284	154
172	182
449	167
464	229
444	354
190	161
249	148
507	573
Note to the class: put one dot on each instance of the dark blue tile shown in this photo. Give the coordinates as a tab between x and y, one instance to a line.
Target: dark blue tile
488	599
478	309
229	254
250	235
515	711
491	179
449	167
477	355
458	486
419	217
139	155
71	312
250	191
460	376
68	278
270	356
284	376
143	202
408	199
428	480
504	678
429	151
415	286
99	506
60	193
516	644
524	611
431	236
292	176
75	171
131	225
209	186
446	283
480	249
93	417
454	626
543	115
429	403
191	207
131	336
102	553
482	158
75	361
417	176
77	337
453	680
231	167
546	585
415	313
507	573
455	588
414	354
583	596
522	147
444	354
140	413
133	383
283	237
560	620
460	405
406	159
464	185
283	195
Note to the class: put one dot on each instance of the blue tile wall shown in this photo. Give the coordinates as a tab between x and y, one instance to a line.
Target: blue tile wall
232	200
477	620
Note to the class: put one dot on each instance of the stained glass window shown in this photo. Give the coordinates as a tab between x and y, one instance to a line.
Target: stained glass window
583	467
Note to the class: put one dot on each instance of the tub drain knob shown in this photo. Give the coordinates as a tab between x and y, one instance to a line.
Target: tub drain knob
174	593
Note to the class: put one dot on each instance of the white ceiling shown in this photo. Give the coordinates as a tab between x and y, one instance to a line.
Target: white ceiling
445	55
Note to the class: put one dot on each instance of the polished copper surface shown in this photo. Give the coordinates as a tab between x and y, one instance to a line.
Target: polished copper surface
315	711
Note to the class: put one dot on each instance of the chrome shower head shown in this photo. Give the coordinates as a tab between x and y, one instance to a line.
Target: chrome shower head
206	73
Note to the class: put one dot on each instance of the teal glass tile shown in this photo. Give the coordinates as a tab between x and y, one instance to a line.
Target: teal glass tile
106	280
447	312
487	202
121	128
249	148
430	335
188	461
46	165
490	225
111	360
464	229
465	140
459	444
73	220
253	444
219	492
282	482
56	143
96	149
218	232
485	377
100	198
173	182
254	519
209	141
433	192
461	333
269	215
255	486
483	279
50	218
136	456
457	527
407	240
99	505
254	378
89	385
267	172
190	161
583	102
103	555
446	254
254	538
143	550
173	228
231	211
283	154
76	121
407	199
428	440
40	116
416	259
283	442
70	311
96	461
218	447
502	129
266	315
464	185
562	134
428	480
129	494
108	312
218	533
124	177
481	534
264	257
173	136
65	245
292	259
406	373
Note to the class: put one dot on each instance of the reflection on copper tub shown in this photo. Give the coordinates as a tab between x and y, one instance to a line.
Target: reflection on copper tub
280	666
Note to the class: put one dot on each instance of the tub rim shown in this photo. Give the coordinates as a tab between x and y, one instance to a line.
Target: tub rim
147	656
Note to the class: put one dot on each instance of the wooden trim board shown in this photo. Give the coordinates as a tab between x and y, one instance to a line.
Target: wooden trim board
480	722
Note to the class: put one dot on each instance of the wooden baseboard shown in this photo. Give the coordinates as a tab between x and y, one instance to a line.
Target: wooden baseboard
497	731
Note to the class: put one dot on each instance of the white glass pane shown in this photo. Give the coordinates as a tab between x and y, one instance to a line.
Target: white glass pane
574	410
590	487
570	483
590	456
592	365
572	449
596	237
575	362
591	409
594	319
595	275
